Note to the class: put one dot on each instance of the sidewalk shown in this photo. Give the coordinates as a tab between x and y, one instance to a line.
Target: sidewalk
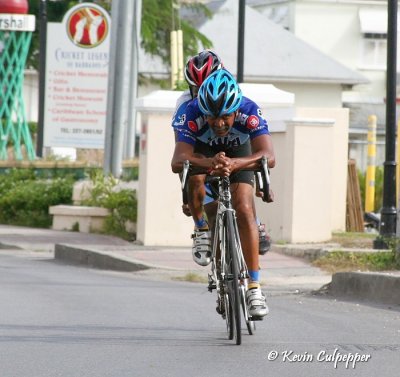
281	269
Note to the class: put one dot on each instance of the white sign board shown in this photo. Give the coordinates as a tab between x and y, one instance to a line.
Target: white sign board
77	58
17	22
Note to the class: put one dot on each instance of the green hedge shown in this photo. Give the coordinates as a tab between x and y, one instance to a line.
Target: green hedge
25	199
27	194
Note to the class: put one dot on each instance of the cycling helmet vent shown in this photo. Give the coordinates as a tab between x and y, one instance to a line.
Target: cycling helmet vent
199	67
219	94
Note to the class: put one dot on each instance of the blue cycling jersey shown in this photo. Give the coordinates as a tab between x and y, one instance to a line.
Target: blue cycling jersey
249	123
179	117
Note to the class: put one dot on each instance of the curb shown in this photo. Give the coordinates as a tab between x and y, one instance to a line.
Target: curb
96	259
9	247
383	288
310	253
379	288
315	251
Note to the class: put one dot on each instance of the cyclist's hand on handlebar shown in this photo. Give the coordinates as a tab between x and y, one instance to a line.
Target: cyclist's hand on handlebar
270	198
222	165
219	160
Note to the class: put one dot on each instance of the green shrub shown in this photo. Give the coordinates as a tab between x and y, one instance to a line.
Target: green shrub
27	194
122	203
27	202
130	174
13	177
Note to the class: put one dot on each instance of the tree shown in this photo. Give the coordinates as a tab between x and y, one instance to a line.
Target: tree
159	18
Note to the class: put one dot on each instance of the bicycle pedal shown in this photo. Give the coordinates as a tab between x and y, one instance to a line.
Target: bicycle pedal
211	283
256	318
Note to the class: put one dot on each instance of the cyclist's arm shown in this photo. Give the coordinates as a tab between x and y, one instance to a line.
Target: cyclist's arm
260	146
184	151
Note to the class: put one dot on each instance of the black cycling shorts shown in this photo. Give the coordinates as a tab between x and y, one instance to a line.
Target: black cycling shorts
232	152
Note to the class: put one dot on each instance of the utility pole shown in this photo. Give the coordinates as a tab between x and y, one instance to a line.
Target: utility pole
129	148
42	74
389	213
119	83
240	50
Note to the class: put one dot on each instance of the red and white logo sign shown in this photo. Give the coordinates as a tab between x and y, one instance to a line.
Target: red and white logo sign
87	26
252	122
193	126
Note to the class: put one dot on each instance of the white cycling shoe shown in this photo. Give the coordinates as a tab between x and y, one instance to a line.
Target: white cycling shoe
256	301
201	249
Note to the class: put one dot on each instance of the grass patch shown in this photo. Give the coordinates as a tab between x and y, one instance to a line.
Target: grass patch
338	261
191	277
354	239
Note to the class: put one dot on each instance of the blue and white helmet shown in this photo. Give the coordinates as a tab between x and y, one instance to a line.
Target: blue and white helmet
219	94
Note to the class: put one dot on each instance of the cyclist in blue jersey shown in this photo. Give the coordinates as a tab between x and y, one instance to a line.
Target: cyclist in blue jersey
197	69
225	132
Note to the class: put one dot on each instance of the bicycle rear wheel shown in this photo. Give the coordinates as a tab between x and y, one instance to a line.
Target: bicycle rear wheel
232	270
230	324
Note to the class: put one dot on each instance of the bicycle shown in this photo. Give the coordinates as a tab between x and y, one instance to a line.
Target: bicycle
229	274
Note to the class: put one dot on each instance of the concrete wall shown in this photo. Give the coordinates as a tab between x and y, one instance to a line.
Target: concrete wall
308	181
160	219
314	95
302	182
340	138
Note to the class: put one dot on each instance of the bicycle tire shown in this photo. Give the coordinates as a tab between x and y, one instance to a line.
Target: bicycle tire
251	326
233	281
229	317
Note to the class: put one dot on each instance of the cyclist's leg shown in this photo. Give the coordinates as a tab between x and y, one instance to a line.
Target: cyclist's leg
264	241
242	200
201	249
210	204
197	193
242	188
197	190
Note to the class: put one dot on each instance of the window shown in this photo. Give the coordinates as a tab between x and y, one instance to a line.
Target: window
373	27
373	54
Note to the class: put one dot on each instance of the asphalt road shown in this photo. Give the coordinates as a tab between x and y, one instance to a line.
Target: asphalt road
59	320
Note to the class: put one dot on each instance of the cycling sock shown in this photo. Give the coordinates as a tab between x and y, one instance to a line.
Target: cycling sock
201	223
254	276
253	285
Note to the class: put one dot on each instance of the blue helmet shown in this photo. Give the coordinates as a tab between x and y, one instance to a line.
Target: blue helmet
219	94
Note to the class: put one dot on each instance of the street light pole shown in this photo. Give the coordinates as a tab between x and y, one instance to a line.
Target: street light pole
389	213
42	75
241	29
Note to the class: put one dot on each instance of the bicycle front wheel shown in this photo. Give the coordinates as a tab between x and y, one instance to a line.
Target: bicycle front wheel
251	326
232	269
